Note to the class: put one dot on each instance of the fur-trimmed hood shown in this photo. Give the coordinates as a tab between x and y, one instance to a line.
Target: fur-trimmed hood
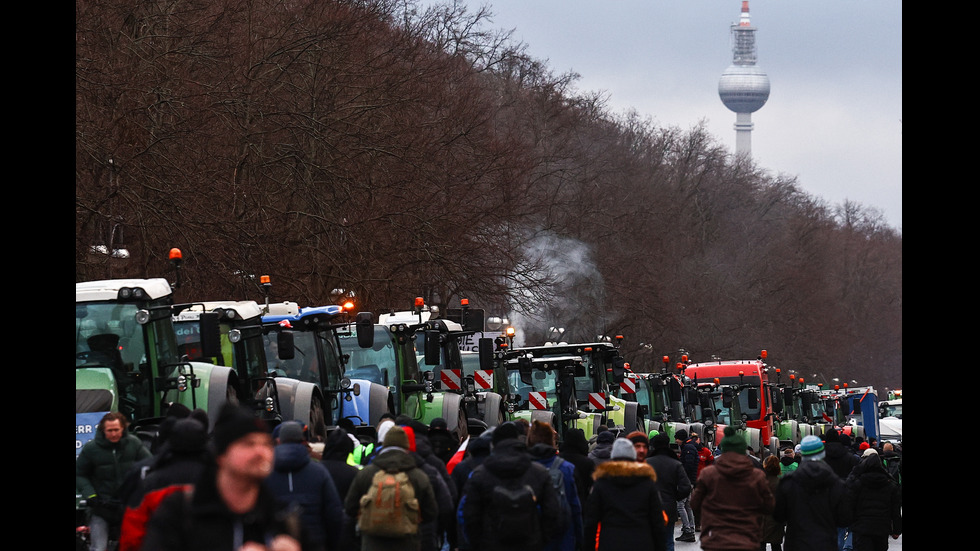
626	469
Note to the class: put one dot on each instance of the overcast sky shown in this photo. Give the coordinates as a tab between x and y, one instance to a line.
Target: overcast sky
834	115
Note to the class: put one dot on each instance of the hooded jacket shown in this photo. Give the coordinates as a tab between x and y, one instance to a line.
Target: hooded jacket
624	510
575	450
507	464
100	469
731	496
811	502
874	499
297	480
393	459
572	537
603	447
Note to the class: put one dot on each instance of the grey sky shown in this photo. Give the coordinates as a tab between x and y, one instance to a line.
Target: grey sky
834	115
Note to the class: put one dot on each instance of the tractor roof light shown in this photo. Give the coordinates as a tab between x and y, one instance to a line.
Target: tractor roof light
464	302
419	302
511	331
132	293
763	355
175	255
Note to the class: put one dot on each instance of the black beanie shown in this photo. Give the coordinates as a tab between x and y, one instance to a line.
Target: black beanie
505	431
233	423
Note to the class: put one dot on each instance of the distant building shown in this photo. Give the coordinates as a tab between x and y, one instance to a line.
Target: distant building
744	87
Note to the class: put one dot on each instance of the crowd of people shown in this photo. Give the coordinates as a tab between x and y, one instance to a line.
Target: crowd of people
238	486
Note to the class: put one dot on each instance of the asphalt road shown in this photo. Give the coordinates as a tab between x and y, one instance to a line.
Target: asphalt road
893	545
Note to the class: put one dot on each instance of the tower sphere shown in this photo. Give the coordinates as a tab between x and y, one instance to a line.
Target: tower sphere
744	88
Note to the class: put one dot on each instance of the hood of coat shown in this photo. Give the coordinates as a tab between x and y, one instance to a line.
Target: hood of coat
624	472
394	460
733	464
509	459
815	474
291	457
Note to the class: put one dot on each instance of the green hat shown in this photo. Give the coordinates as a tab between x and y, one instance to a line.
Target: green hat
733	442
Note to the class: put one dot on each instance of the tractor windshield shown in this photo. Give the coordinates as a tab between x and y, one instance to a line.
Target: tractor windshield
378	364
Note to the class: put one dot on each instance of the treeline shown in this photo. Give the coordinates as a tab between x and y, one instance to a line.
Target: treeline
384	151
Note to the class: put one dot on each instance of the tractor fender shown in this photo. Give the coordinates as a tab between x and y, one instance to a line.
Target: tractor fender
451	405
219	380
543	416
630	417
493	413
379	403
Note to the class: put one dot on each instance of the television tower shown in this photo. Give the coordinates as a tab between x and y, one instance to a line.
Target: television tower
744	87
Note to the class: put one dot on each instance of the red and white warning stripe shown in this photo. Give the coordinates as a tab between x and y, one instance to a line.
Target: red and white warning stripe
451	378
628	386
483	378
597	400
538	400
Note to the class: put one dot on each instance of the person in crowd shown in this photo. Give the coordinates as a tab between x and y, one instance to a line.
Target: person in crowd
434	532
772	531
624	510
100	469
842	460
230	508
732	496
444	444
542	440
788	462
892	460
671	479
705	457
180	463
810	501
689	459
874	503
393	457
336	458
477	451
575	450
509	468
603	447
641	442
297	480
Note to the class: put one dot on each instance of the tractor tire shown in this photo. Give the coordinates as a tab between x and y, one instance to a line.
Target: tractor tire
493	413
455	415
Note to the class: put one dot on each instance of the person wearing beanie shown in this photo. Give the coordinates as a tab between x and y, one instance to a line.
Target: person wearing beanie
444	444
603	447
336	458
689	459
810	501
542	442
624	510
393	457
772	532
671	479
842	460
508	468
732	495
477	451
230	505
641	442
180	463
297	480
787	461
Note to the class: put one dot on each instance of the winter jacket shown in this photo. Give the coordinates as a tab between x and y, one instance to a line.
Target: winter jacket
508	465
444	444
180	463
624	510
705	457
335	458
787	465
575	450
874	499
432	531
198	520
810	501
603	447
671	479
731	496
393	459
100	469
572	537
893	465
298	480
690	459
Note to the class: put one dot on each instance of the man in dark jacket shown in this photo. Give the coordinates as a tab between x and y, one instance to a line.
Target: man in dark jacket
230	506
671	479
477	452
444	444
508	467
875	504
690	459
575	450
296	480
842	460
393	457
731	496
100	469
603	446
811	501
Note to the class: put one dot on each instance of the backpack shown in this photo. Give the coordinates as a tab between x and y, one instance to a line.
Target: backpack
513	513
558	481
389	508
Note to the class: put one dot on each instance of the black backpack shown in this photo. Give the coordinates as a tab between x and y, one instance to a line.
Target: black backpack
513	513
